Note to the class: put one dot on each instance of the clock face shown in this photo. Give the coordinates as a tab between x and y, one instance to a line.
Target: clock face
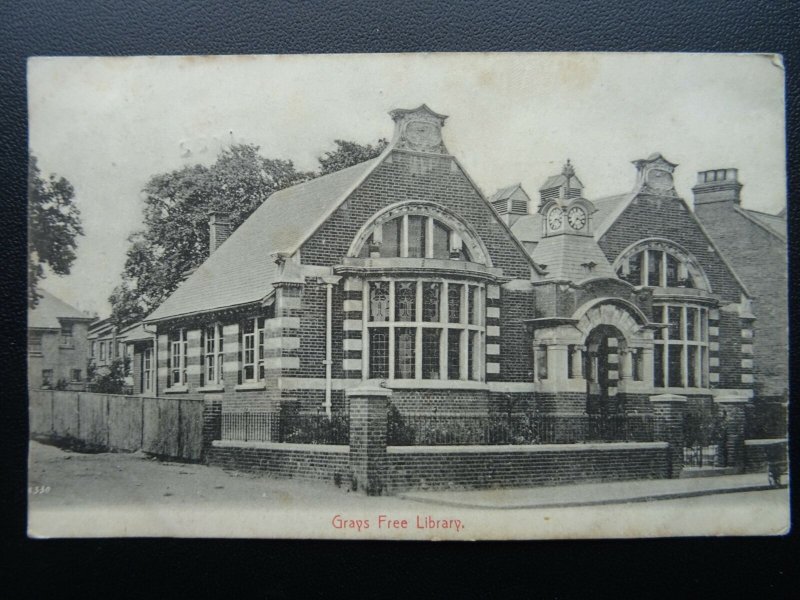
659	179
576	217
555	217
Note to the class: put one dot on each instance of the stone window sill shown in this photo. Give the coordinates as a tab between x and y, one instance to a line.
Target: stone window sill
211	388
255	385
176	390
436	384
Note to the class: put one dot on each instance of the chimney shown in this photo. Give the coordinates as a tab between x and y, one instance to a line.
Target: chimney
219	230
717	185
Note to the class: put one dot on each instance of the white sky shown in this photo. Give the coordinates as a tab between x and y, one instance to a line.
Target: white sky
108	124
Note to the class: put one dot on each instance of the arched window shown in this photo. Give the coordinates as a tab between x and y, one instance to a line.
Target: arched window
414	236
660	263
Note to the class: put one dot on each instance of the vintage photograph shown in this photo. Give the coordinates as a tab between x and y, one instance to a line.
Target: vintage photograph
458	296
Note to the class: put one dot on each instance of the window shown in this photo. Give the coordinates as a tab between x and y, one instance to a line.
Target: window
94	349
102	351
416	236
659	264
681	348
212	357
251	344
34	342
176	358
66	335
424	329
47	377
76	374
541	362
147	370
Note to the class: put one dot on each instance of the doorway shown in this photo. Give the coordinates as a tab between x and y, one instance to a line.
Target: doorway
601	366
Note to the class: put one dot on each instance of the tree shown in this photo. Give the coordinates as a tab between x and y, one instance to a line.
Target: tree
111	379
175	237
348	154
53	225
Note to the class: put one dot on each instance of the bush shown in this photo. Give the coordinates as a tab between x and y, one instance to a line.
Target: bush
398	433
109	380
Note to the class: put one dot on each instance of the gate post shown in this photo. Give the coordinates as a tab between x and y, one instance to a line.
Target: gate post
733	408
369	406
212	422
668	414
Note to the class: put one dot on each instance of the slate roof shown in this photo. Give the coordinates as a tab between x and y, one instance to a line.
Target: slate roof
528	228
567	257
559	180
505	193
50	309
774	223
242	270
135	333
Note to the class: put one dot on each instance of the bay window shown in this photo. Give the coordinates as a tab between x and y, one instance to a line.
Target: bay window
424	329
680	356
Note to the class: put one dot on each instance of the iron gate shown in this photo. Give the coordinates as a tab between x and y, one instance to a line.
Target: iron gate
705	437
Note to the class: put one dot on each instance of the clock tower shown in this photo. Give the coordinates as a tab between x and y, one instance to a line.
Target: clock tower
655	176
567	214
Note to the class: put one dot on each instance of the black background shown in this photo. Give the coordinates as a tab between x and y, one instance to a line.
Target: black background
278	569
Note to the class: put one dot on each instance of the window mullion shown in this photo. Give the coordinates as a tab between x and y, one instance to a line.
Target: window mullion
663	274
685	350
404	237
429	237
391	329
418	335
645	275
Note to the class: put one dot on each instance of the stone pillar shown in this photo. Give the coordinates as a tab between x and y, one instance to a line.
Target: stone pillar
577	362
626	371
557	357
733	407
369	405
212	422
668	414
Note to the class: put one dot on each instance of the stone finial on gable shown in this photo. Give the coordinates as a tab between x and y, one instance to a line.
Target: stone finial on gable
655	175
288	270
418	129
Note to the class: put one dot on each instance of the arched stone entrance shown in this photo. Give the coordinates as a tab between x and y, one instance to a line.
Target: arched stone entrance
604	346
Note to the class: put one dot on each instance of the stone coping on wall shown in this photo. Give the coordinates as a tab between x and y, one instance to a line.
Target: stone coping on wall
766	442
520	448
340	449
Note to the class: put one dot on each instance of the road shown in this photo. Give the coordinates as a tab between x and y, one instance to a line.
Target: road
109	494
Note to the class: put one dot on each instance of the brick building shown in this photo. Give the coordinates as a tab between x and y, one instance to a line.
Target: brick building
399	269
56	344
755	243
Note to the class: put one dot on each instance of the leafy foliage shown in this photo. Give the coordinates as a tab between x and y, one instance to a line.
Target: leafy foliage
175	236
348	154
53	225
111	379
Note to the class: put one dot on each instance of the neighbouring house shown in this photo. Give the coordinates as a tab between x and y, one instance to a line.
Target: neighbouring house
583	321
57	346
755	244
106	343
140	347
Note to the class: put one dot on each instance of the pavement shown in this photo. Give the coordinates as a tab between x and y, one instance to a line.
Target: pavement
593	494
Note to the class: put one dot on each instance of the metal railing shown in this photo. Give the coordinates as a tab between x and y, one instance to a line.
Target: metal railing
275	427
458	429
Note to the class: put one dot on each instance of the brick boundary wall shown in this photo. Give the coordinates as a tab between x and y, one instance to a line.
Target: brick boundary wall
755	454
470	467
314	462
